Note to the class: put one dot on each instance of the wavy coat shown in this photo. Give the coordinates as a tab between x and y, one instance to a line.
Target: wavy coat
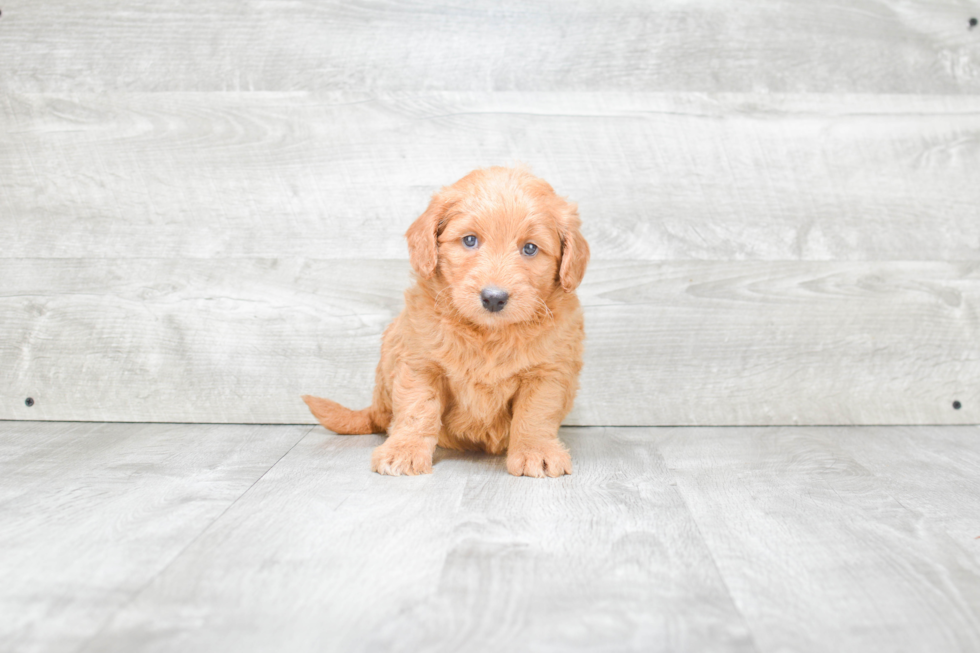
454	373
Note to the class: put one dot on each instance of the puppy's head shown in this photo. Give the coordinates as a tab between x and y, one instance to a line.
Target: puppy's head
499	242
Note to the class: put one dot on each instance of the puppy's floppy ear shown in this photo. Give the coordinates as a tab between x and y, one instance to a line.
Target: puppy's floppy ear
423	246
574	249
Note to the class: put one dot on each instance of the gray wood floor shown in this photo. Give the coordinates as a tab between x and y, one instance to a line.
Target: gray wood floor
140	537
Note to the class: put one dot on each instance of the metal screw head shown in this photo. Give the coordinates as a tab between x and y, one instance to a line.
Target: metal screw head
29	401
957	405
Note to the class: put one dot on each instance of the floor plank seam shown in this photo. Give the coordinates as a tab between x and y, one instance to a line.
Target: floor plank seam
728	591
183	549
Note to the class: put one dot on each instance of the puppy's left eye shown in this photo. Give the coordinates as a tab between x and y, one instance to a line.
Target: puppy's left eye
530	249
469	241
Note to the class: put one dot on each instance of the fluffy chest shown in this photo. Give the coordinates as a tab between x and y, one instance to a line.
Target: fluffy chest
478	411
481	397
480	381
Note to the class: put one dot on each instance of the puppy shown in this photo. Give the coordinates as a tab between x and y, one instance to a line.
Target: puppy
487	352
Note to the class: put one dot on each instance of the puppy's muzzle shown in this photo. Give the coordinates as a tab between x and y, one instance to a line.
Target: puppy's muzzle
494	299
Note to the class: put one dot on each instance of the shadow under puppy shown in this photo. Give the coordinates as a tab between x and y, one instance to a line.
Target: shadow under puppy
487	351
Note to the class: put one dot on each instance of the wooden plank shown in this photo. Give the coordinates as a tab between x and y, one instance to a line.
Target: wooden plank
662	539
935	472
323	555
699	343
816	553
321	549
91	513
687	343
342	175
867	46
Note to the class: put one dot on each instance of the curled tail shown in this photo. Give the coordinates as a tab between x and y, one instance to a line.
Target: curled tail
343	420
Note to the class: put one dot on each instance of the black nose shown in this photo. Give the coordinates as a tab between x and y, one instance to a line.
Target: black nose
494	299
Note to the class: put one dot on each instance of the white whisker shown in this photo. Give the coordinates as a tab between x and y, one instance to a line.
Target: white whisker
547	310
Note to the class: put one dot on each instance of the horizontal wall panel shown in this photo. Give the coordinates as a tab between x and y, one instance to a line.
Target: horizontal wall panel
685	342
868	46
341	175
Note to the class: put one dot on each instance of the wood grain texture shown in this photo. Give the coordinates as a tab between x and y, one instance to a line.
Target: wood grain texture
935	472
816	552
324	555
342	175
865	46
91	513
688	343
138	538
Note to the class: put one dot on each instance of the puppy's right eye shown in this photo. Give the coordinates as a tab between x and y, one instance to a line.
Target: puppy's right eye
469	241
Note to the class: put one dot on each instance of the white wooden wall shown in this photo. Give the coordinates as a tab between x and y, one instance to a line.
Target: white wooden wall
202	203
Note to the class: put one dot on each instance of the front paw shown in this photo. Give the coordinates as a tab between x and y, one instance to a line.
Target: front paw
408	457
547	458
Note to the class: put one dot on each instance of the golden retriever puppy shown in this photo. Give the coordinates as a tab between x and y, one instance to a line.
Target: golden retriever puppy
487	352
